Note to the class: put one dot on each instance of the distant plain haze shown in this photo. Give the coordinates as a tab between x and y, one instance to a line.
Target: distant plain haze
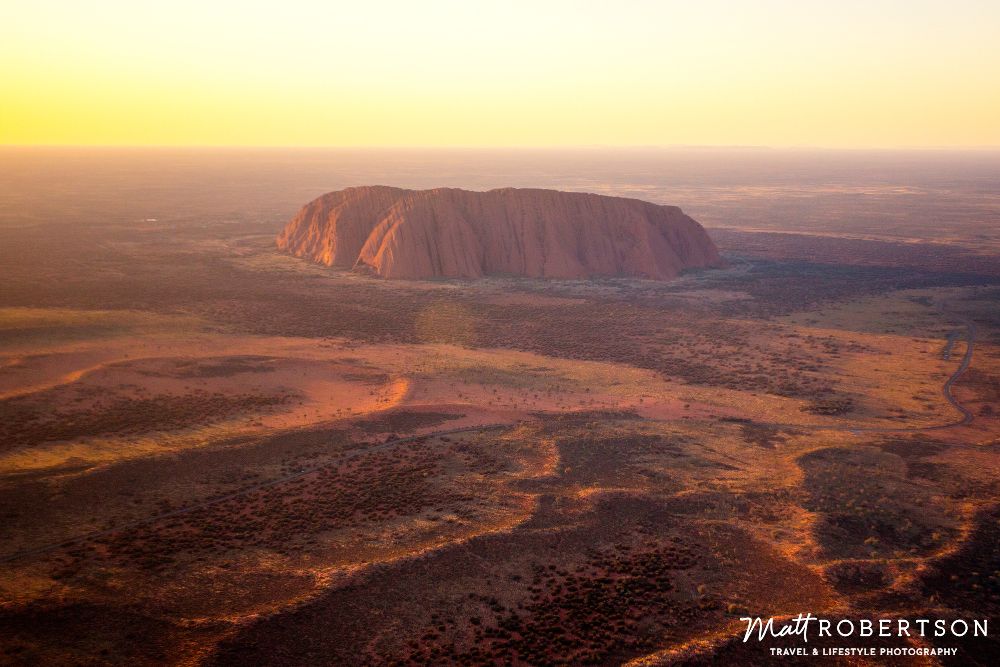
544	73
942	196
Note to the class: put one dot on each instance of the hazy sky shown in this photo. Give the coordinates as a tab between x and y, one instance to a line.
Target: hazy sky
405	72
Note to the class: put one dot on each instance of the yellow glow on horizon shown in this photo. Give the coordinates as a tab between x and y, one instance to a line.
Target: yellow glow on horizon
448	73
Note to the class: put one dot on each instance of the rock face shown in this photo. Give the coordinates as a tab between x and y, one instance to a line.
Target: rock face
446	232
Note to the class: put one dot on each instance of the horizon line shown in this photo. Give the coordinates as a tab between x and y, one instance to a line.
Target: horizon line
513	147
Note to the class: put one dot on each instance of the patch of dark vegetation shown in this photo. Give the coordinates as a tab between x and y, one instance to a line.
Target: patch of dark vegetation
873	257
591	458
761	507
618	604
217	367
702	348
404	421
58	333
290	516
303	442
27	421
145	487
577	417
919	452
868	508
370	377
852	577
785	286
830	406
912	447
762	436
914	450
985	385
969	578
83	633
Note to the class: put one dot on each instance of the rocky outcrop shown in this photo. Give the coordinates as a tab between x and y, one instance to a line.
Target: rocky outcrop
446	232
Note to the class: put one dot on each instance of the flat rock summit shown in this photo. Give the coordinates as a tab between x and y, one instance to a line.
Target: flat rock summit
446	232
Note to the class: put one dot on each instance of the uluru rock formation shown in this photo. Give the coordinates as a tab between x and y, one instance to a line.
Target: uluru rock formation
446	232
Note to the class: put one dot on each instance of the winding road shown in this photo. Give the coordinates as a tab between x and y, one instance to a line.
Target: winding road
967	416
970	338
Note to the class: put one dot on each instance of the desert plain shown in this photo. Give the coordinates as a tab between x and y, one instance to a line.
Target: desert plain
214	453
